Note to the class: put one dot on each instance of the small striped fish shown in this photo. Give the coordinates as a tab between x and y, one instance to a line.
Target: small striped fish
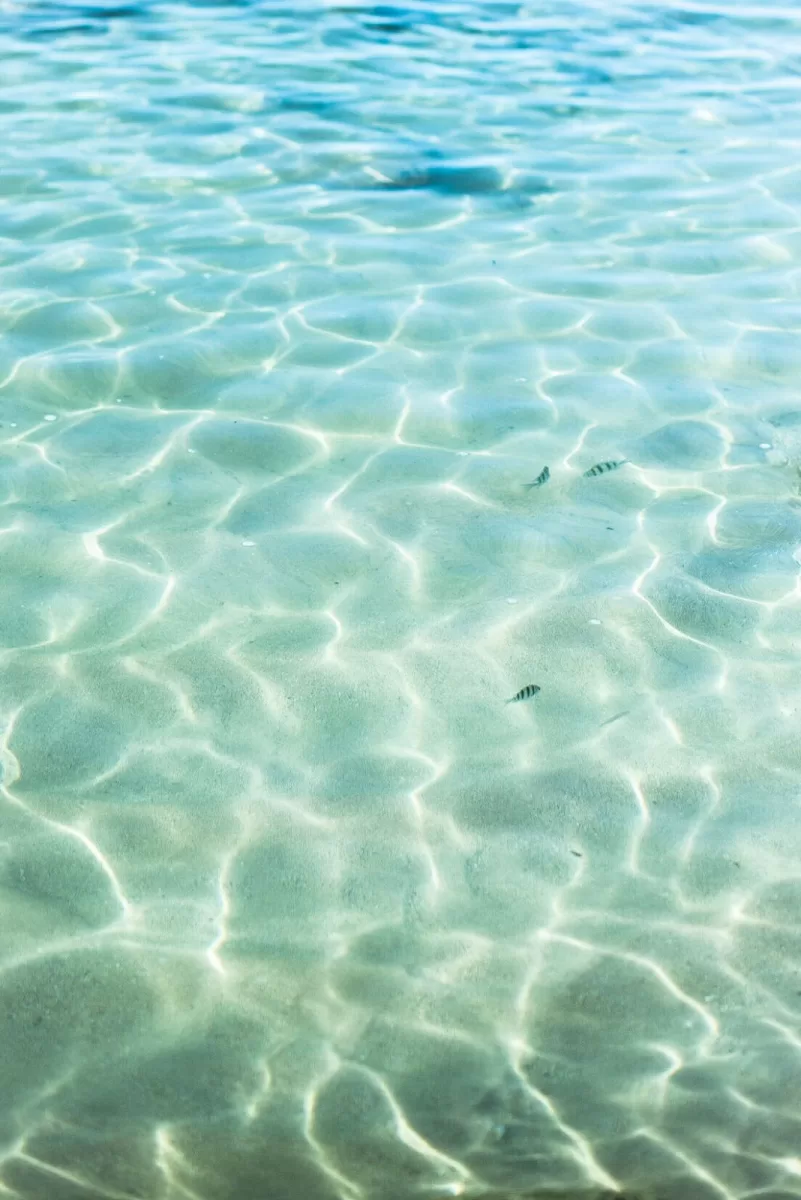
542	478
525	693
602	467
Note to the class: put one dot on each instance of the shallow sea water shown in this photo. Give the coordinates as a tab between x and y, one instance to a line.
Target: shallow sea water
297	299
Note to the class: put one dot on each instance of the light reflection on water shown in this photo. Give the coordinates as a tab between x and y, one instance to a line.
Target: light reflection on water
297	300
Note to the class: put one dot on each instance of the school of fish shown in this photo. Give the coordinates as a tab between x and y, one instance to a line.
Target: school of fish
600	468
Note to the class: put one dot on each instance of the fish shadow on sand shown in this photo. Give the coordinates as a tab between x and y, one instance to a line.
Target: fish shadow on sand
456	179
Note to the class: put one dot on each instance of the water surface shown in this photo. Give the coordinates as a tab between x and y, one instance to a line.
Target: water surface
298	298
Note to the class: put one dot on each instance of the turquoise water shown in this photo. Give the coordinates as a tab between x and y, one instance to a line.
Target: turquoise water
297	300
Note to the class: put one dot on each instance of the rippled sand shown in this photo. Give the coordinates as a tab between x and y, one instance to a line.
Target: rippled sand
297	301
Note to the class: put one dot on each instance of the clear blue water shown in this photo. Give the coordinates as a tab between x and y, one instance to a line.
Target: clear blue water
297	300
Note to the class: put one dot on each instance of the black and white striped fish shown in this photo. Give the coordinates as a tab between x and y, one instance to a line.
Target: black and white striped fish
542	478
525	693
602	467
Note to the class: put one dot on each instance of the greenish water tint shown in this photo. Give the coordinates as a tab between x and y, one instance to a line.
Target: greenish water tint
298	300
